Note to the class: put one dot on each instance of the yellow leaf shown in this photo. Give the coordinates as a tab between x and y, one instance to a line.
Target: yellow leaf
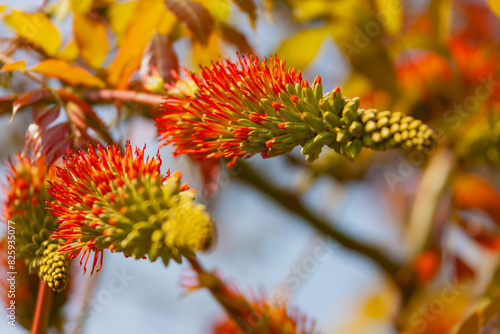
37	29
300	49
81	6
119	16
205	54
143	24
218	8
495	6
15	66
166	24
92	39
69	52
390	14
74	75
376	307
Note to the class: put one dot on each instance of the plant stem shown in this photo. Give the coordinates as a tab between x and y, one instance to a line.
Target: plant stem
290	202
42	309
123	95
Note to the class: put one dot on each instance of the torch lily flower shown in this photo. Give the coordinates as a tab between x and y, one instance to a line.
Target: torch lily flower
122	202
248	107
25	207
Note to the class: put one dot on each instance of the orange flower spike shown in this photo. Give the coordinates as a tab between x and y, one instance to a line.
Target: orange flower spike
109	200
250	107
25	206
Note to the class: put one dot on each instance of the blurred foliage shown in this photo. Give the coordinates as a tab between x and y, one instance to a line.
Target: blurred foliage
436	60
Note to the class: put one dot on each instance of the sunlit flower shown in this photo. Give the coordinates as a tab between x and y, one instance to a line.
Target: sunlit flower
122	202
249	107
25	207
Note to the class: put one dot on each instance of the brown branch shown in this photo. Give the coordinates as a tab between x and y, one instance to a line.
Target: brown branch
123	95
292	204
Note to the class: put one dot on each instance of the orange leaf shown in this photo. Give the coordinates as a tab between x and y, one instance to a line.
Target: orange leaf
15	66
91	37
143	24
427	265
472	192
74	75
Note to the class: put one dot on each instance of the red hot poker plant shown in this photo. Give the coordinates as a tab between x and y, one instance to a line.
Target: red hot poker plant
248	107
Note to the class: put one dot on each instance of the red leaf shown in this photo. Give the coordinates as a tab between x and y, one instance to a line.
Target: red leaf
84	116
160	59
196	17
462	270
249	7
27	99
51	143
43	117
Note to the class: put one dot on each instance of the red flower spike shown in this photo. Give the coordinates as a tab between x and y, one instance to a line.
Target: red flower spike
239	108
109	200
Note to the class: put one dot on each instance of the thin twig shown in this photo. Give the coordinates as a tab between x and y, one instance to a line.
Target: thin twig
123	95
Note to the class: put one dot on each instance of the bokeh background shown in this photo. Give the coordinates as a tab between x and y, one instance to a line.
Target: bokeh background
260	244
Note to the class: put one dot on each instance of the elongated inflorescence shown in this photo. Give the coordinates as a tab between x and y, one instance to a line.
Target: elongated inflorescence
251	107
122	202
25	207
54	266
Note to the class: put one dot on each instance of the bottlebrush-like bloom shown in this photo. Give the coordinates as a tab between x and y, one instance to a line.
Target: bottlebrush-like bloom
250	107
25	207
257	316
122	202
